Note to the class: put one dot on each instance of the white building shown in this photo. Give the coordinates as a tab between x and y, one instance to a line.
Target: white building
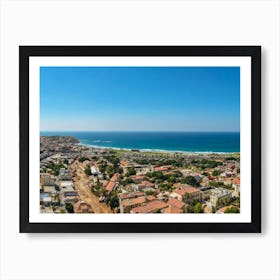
219	193
94	170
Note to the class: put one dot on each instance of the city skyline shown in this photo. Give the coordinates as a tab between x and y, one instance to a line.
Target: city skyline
195	99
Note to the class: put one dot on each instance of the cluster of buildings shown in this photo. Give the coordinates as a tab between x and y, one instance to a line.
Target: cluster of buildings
216	188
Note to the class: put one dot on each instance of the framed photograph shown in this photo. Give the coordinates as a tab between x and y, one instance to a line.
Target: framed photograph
140	139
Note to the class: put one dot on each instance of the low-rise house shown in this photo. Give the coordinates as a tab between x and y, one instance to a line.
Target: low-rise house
137	178
145	184
176	203
45	199
187	193
68	191
151	207
172	210
64	175
50	189
49	195
112	183
205	192
94	171
219	194
236	187
150	198
130	195
124	163
162	168
127	204
82	207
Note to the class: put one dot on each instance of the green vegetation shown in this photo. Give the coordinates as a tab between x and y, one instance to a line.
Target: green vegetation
205	163
198	208
113	160
127	181
149	192
55	167
110	170
165	187
216	173
190	180
131	171
230	158
87	170
69	208
99	191
179	162
113	200
232	210
223	202
236	202
216	184
82	159
193	206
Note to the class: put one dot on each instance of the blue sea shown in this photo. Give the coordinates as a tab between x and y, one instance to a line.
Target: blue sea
192	142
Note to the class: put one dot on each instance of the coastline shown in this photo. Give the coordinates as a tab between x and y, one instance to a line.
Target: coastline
158	151
84	143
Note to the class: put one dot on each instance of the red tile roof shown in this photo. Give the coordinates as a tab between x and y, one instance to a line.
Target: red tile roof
150	207
150	198
176	203
185	190
172	210
137	177
236	181
135	201
124	163
111	185
162	168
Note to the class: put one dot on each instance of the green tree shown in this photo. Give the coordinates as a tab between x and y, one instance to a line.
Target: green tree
198	208
131	171
189	209
82	159
216	173
87	171
69	207
113	200
171	179
127	181
110	170
120	170
149	192
190	180
232	210
165	187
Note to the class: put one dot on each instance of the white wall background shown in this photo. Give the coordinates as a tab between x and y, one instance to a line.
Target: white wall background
135	256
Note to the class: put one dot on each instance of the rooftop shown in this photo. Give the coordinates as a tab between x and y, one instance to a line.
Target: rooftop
135	201
176	203
150	207
172	210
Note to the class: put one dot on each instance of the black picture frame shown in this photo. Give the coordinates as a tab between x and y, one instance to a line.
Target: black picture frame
254	52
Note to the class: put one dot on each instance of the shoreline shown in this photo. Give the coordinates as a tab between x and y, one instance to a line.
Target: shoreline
158	150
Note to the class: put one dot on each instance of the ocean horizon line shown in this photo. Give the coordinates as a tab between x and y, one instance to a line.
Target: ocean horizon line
154	131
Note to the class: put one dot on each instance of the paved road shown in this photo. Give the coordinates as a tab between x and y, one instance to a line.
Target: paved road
81	181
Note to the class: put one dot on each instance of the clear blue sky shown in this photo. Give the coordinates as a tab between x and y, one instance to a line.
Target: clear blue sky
140	98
